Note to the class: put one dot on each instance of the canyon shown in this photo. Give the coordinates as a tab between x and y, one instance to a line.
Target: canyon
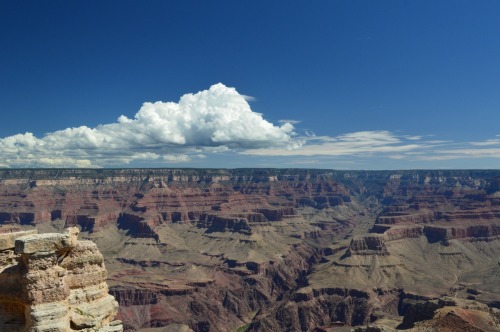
278	249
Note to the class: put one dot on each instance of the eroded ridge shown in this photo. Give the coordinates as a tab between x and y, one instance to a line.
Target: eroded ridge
53	282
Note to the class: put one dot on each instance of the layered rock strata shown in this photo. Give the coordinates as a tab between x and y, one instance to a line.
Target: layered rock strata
272	249
53	282
444	314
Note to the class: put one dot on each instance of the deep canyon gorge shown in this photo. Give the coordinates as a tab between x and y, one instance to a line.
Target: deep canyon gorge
279	249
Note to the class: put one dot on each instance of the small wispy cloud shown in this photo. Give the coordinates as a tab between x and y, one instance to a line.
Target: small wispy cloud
249	98
488	142
446	150
349	144
460	153
397	156
294	122
413	138
371	145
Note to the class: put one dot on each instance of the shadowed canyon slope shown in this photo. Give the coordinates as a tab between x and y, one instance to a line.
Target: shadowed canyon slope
276	249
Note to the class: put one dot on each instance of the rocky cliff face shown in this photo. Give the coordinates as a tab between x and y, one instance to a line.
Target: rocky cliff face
297	250
53	282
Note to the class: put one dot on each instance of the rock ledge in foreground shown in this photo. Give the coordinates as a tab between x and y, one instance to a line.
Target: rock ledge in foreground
53	282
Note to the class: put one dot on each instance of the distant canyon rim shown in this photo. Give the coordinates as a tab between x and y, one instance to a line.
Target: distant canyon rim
279	249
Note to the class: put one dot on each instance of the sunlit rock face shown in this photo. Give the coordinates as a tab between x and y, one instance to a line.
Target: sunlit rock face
53	282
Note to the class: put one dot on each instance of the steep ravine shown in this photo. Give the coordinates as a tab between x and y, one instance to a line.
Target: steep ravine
237	296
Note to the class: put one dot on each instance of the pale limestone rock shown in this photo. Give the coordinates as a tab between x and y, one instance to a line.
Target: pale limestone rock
50	242
54	283
7	239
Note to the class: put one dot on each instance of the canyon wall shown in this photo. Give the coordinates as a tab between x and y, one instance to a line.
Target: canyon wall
270	249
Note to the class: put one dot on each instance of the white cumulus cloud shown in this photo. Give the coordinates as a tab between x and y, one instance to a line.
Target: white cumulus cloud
217	119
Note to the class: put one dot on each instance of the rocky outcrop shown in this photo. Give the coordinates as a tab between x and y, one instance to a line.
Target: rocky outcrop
444	234
216	223
329	309
395	218
392	233
276	214
137	226
53	282
368	245
451	314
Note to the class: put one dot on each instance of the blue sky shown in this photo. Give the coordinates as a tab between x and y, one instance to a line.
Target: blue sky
326	84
